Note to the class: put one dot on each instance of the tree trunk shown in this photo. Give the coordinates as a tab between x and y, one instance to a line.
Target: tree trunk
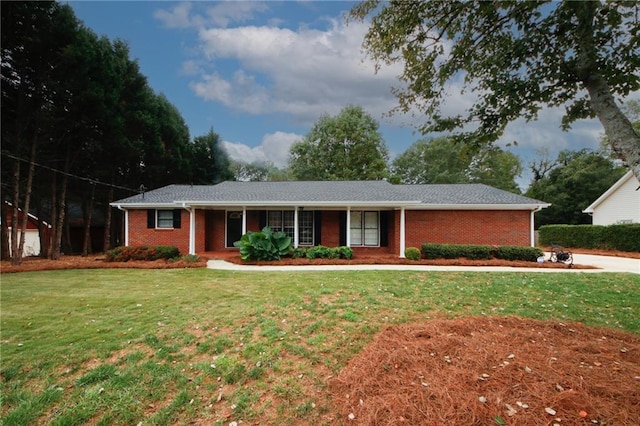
107	223
86	242
16	258
27	196
623	139
4	232
52	219
57	240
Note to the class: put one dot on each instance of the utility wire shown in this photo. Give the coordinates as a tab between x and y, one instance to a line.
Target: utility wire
86	179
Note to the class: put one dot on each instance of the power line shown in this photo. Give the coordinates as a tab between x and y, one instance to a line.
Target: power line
86	179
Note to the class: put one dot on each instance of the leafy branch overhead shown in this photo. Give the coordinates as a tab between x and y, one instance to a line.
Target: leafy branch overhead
516	58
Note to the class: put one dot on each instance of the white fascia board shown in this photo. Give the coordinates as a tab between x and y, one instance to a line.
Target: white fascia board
481	206
608	192
125	206
308	204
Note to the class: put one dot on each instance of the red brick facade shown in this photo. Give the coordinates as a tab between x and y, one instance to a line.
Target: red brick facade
489	227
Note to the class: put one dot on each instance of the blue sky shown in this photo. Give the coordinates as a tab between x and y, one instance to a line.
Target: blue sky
261	73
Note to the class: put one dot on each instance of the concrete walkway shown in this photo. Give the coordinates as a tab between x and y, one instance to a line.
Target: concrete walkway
603	263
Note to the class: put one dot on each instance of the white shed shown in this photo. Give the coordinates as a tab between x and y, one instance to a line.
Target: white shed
619	204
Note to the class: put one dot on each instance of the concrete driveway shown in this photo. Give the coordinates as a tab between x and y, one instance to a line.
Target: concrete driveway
603	263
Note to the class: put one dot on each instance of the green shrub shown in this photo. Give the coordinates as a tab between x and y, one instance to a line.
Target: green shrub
191	258
299	252
479	252
412	253
345	252
456	251
320	252
624	237
529	254
264	245
148	253
323	252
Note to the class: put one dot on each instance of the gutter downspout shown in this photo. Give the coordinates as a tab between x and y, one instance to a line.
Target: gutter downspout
192	228
126	224
532	226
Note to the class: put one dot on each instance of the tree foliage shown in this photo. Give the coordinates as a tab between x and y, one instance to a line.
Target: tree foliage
345	147
576	181
443	160
81	126
516	57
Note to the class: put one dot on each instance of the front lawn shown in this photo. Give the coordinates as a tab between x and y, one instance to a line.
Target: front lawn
120	346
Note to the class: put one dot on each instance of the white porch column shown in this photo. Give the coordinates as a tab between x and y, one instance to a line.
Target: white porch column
402	232
348	226
192	230
244	220
296	236
532	226
126	228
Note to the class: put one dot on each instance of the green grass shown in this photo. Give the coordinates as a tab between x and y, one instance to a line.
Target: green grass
176	346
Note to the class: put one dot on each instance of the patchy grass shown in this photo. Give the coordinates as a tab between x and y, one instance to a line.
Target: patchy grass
178	346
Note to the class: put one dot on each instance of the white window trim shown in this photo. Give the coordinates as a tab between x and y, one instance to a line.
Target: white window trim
362	228
158	219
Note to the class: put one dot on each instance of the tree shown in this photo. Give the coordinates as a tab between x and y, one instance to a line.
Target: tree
578	179
345	147
258	172
209	161
494	167
438	160
442	160
517	57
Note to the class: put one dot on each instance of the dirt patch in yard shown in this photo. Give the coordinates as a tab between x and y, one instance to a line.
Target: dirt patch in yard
483	371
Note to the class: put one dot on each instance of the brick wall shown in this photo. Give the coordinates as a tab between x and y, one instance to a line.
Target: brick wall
330	228
139	234
489	227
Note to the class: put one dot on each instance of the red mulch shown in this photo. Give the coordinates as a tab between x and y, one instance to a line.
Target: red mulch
491	371
92	262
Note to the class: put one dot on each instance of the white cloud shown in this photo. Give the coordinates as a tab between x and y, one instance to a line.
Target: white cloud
273	149
221	14
226	12
178	17
304	73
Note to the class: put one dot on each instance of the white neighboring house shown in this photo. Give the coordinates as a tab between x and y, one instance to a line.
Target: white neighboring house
32	234
619	204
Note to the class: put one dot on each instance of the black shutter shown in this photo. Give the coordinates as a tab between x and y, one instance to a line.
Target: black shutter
151	218
317	227
177	216
342	220
262	219
384	228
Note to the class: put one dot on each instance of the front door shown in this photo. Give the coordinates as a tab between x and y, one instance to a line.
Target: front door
234	227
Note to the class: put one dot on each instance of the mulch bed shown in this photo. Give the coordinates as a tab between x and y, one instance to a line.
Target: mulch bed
92	262
492	371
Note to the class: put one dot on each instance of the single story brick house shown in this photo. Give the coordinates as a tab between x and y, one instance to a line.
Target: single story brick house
369	216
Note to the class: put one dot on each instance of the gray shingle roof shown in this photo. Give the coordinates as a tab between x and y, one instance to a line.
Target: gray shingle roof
326	193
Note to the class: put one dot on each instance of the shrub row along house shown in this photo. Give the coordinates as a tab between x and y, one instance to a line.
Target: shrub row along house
371	217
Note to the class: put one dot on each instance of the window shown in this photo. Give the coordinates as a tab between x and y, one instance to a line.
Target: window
285	221
365	229
165	219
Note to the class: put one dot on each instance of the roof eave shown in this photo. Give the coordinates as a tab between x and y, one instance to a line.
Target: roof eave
484	206
608	192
